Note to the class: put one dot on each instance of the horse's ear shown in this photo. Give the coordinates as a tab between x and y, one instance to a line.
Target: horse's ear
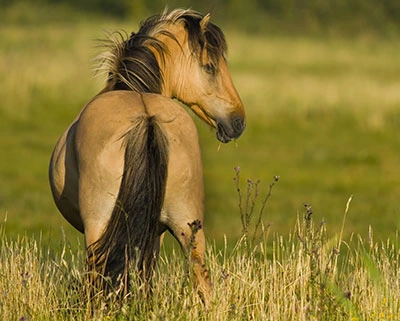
204	22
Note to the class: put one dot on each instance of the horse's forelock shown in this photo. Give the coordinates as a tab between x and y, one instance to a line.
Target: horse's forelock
216	44
211	38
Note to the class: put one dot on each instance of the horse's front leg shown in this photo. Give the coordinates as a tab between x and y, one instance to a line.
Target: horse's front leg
191	238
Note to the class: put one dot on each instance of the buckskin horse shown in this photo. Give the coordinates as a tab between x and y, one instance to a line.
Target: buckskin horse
129	168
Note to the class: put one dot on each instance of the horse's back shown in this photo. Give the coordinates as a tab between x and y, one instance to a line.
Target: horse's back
112	113
109	116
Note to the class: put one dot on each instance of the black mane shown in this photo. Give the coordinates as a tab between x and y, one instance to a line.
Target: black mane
131	63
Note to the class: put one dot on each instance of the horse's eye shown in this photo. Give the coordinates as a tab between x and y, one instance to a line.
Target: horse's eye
209	68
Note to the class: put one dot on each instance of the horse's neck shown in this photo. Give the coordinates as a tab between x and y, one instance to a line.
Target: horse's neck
172	61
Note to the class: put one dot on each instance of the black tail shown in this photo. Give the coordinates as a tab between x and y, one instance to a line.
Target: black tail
132	229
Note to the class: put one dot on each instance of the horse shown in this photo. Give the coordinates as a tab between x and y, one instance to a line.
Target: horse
128	168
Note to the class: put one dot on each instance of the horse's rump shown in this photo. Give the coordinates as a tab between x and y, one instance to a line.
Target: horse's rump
131	233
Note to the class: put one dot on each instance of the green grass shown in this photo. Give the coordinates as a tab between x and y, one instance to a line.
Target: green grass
322	113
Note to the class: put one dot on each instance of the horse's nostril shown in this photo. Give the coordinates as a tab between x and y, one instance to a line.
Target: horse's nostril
232	130
238	124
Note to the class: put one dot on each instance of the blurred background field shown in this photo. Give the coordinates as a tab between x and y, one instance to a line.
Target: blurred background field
320	81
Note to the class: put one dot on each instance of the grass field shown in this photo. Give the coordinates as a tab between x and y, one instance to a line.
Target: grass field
322	113
305	276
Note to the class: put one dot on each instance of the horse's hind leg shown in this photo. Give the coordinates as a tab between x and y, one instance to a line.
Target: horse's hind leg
191	237
196	249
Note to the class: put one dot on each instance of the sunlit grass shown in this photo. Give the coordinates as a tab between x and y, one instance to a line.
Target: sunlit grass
304	275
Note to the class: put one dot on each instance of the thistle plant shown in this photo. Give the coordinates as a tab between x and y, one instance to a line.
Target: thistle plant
247	207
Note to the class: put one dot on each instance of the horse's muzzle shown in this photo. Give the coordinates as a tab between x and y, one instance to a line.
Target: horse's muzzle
228	131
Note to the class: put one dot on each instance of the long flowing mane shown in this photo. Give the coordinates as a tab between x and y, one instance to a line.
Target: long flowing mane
130	63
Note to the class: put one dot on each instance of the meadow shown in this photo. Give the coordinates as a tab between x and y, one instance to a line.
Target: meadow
322	114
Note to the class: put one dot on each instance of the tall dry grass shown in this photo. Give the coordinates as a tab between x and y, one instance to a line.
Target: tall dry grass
301	276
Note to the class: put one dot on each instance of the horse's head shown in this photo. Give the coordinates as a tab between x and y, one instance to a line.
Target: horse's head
196	73
181	55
